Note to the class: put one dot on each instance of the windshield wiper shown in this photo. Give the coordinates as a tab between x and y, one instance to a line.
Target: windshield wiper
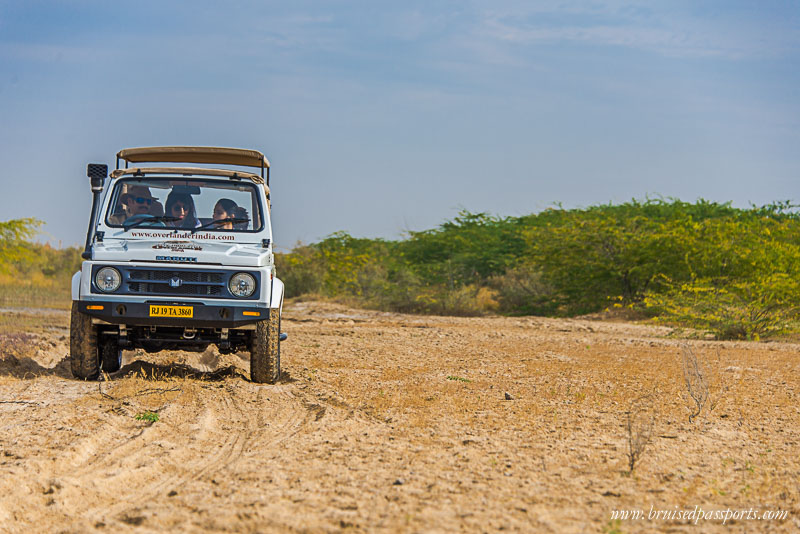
156	218
234	220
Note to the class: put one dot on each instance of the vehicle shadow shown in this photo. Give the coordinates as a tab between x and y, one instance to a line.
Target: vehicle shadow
154	371
286	377
26	368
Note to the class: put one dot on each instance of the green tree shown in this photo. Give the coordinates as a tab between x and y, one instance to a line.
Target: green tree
467	250
15	251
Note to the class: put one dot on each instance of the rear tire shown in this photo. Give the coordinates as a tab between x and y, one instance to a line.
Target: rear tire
83	353
110	354
265	350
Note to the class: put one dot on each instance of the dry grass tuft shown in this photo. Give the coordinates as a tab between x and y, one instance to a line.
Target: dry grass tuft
640	422
695	380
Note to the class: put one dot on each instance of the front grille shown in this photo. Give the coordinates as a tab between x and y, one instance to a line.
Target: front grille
186	276
192	283
176	282
165	289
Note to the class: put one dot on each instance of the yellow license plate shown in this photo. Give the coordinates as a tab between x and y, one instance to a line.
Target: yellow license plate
171	311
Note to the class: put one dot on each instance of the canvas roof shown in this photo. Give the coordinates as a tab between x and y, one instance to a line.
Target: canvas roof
195	154
189	171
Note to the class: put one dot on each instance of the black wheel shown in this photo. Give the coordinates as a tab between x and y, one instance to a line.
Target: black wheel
83	353
110	354
265	349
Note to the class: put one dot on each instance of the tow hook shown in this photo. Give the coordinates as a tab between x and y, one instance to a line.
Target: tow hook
189	333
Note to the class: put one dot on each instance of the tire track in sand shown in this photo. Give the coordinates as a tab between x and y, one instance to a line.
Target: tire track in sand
164	458
107	473
214	432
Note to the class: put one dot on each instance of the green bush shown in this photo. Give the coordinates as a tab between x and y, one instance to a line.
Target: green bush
301	271
732	309
701	264
467	250
521	289
33	274
726	270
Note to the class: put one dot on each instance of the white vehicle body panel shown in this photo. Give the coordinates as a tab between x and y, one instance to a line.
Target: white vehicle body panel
276	299
150	247
185	251
76	286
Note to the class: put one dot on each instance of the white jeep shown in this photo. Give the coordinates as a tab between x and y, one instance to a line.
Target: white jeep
178	258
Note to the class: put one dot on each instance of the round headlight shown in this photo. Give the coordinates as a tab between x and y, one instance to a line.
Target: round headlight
242	285
107	279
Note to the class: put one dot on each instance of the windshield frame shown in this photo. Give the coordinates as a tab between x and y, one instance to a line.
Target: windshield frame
115	192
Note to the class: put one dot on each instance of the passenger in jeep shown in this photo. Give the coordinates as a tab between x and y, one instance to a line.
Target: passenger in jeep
136	201
227	209
223	209
181	205
240	213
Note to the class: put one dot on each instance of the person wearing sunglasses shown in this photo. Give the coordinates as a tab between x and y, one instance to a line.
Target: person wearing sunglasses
137	200
181	205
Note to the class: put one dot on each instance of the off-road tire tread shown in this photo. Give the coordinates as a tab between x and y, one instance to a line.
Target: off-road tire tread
83	354
265	351
109	354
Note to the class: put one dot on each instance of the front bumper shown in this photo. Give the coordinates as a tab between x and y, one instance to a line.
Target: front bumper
138	313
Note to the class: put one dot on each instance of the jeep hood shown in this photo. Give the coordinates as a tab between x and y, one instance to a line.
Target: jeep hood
165	251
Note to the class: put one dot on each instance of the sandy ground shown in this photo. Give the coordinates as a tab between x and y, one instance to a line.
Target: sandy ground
389	422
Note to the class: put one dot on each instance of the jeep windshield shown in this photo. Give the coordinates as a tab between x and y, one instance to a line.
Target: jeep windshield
215	205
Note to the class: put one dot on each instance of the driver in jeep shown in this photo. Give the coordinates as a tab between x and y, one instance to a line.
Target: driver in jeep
137	201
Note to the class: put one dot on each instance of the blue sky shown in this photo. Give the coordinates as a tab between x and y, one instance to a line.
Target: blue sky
383	117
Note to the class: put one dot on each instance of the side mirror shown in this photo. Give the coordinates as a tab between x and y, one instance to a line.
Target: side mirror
97	174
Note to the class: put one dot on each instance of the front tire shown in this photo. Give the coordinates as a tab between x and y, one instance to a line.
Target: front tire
265	350
83	353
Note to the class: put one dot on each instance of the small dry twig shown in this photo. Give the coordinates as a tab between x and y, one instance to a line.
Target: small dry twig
148	391
102	393
720	384
695	381
153	391
641	420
